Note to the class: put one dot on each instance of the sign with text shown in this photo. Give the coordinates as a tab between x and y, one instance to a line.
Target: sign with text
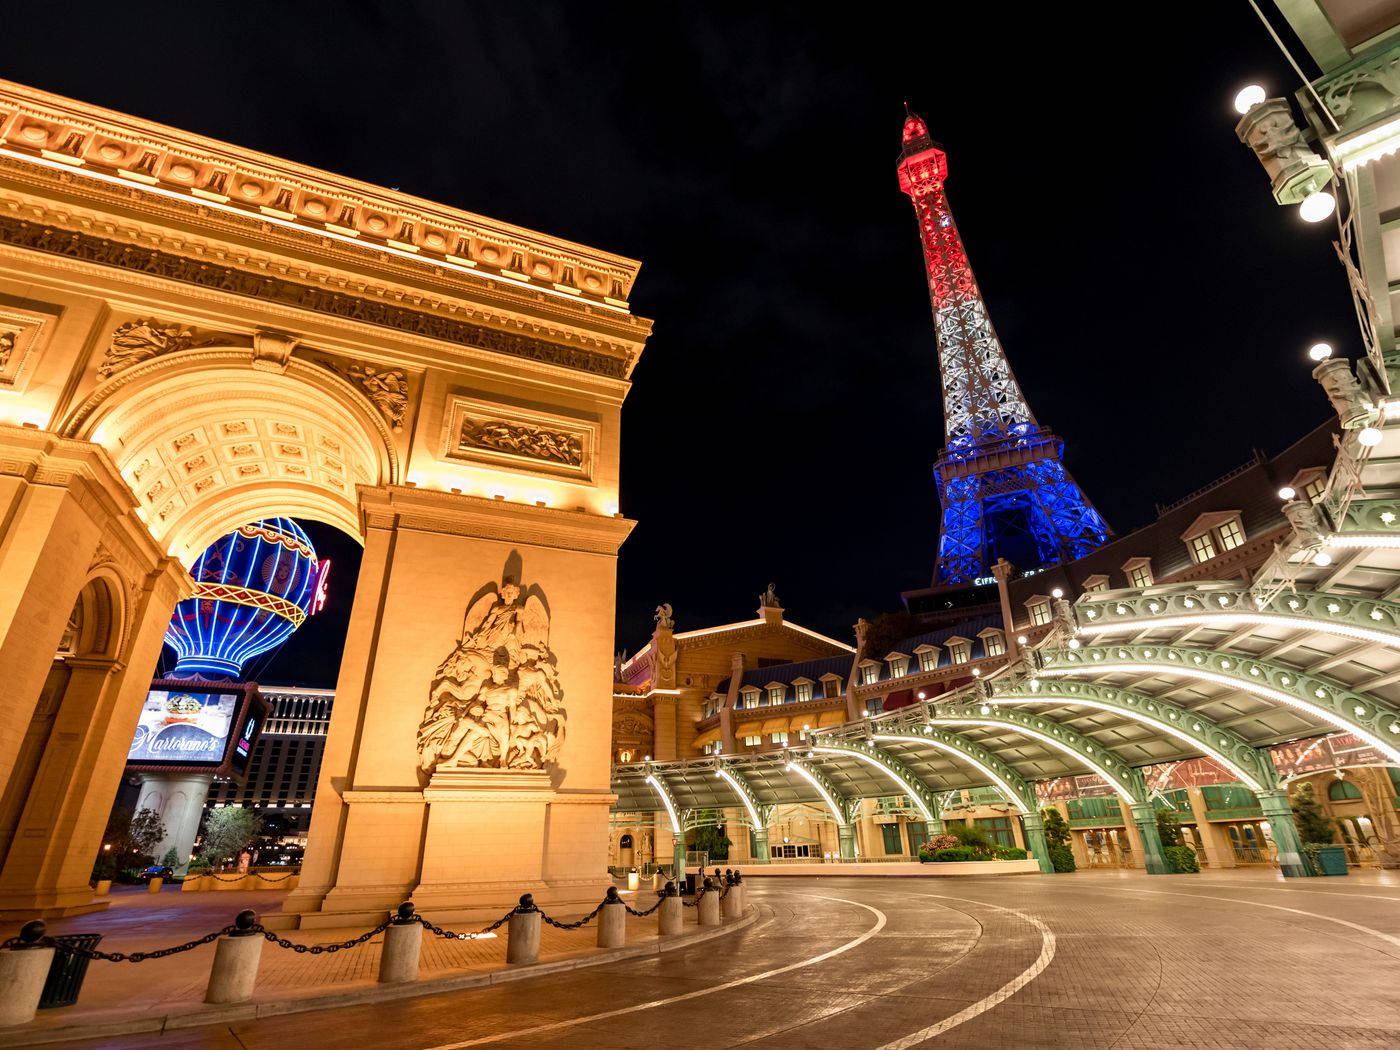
184	726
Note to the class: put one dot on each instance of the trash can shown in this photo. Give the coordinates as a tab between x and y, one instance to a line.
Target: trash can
67	970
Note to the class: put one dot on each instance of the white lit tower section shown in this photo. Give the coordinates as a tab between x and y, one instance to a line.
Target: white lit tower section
1003	490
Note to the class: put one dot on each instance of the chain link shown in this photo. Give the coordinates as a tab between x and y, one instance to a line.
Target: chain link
455	936
643	914
135	957
696	902
319	949
574	925
257	875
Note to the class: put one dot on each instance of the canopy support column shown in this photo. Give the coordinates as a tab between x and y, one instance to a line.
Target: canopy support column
1153	859
1292	861
1035	839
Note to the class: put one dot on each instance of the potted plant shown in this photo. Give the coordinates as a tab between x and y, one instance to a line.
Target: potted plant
1057	839
1316	829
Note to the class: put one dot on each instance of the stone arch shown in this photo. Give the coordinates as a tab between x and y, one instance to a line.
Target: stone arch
1375	722
1126	781
97	628
1216	741
210	439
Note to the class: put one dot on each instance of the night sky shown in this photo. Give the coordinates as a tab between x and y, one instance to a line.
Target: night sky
1155	303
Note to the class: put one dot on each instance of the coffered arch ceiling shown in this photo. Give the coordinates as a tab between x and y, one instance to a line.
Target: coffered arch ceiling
208	442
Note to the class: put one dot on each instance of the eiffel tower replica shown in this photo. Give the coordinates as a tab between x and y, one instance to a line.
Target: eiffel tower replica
1002	487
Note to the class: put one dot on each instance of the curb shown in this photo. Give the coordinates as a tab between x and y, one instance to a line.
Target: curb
197	1015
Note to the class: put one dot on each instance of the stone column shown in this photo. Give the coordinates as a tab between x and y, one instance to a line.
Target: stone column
178	799
1035	836
1001	569
1279	813
1145	818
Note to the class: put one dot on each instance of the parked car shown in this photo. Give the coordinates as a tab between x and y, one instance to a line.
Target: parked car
156	871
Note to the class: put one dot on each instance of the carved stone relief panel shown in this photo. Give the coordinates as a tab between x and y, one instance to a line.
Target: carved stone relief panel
22	336
511	438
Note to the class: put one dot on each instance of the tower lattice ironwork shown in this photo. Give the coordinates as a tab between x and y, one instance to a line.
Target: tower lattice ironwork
1002	486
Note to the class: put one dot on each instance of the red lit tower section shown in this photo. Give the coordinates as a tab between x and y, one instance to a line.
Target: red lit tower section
1002	486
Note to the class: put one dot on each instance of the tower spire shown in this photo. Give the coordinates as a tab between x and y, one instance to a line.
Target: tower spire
1003	489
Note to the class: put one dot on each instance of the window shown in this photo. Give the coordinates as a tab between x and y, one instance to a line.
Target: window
869	673
1231	535
777	694
1314	489
893	846
749	698
998	829
958	654
1096	583
898	666
1040	611
874	707
1342	791
779	738
1139	572
754	740
804	691
1202	549
831	687
928	659
994	643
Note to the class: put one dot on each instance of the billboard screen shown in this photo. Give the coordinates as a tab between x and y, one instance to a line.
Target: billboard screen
184	726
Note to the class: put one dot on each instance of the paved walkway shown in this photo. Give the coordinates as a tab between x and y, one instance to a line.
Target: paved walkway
1093	960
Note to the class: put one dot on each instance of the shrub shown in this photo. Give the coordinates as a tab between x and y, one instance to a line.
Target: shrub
1009	853
1061	857
1314	826
953	853
1169	827
970	835
940	842
1180	860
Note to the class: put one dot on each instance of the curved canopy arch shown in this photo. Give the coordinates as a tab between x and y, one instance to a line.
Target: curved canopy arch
759	814
208	441
1126	781
925	799
1376	723
1219	742
843	807
668	800
1007	780
1374	620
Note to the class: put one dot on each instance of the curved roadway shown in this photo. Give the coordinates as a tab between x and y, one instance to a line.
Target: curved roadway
1090	960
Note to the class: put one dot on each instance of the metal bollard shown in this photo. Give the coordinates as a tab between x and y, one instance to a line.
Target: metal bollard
709	905
612	921
523	933
23	970
236	958
670	917
403	942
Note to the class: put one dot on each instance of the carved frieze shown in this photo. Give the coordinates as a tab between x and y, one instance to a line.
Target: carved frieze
205	273
496	701
22	333
482	431
140	340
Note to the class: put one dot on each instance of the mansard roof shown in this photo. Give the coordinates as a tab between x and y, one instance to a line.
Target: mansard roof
788	673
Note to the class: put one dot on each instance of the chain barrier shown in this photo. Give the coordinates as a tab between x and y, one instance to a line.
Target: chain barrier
643	914
318	949
40	941
256	874
452	935
696	902
574	925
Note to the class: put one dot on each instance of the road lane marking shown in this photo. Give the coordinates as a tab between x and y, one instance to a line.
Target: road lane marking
880	921
1006	991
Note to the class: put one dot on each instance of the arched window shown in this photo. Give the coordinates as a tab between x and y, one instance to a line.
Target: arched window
625	842
1342	791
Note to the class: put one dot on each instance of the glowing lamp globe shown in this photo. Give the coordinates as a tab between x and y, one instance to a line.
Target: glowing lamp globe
1320	351
1369	436
1288	492
1317	206
1248	98
253	589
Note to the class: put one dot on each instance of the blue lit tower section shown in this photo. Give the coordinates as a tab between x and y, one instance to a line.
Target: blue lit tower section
1004	491
253	588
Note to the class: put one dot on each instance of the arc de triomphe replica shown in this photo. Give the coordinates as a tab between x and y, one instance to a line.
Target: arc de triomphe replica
194	336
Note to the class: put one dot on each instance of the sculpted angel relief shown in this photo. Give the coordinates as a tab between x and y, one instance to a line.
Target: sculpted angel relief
496	701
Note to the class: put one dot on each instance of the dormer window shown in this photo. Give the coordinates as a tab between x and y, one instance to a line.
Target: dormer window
1139	572
748	698
804	690
959	650
993	642
831	687
869	672
1213	534
1309	484
1039	608
1096	583
899	664
928	657
777	693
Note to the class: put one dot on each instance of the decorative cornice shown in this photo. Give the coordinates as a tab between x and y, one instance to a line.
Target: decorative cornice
90	140
54	240
457	514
